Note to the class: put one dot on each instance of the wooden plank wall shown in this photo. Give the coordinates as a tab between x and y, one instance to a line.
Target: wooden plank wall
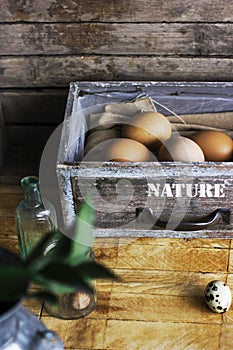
45	44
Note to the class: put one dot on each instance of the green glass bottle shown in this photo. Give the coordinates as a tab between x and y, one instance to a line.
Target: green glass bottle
33	218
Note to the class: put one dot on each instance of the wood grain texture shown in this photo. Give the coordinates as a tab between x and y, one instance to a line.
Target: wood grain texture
58	71
161	282
181	243
177	259
226	339
8	203
117	11
126	335
8	227
184	309
153	335
164	39
81	334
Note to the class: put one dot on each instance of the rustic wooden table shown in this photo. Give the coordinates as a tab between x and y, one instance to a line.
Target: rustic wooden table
159	304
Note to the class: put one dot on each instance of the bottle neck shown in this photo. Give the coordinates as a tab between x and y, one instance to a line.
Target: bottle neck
32	196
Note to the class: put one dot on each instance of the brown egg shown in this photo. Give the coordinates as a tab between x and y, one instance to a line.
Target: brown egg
180	149
216	145
120	150
149	128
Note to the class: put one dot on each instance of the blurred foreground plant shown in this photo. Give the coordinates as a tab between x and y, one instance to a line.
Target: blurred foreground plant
65	268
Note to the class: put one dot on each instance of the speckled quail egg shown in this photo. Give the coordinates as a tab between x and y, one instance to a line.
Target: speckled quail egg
218	296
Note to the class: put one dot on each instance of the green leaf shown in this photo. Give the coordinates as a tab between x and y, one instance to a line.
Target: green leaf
14	281
94	270
62	265
83	238
69	250
53	247
61	278
53	286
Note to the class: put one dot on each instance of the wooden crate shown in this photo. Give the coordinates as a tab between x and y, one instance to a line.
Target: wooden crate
141	199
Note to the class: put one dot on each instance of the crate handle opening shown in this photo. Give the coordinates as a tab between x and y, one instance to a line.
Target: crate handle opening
218	216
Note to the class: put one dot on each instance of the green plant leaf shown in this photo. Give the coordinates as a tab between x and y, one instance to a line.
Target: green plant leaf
61	278
83	238
72	250
58	264
53	247
14	282
94	270
53	286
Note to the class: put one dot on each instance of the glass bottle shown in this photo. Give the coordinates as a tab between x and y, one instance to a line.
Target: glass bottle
74	305
34	218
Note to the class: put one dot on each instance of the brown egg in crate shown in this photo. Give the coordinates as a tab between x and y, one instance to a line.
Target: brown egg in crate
108	125
212	132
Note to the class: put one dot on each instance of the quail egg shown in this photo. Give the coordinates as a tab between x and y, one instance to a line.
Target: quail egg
218	296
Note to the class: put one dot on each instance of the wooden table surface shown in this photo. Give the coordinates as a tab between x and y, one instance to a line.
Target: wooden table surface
159	304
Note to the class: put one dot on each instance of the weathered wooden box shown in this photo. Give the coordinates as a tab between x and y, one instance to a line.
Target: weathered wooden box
147	199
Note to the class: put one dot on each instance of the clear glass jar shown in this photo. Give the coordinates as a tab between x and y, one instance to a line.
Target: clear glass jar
34	218
74	305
